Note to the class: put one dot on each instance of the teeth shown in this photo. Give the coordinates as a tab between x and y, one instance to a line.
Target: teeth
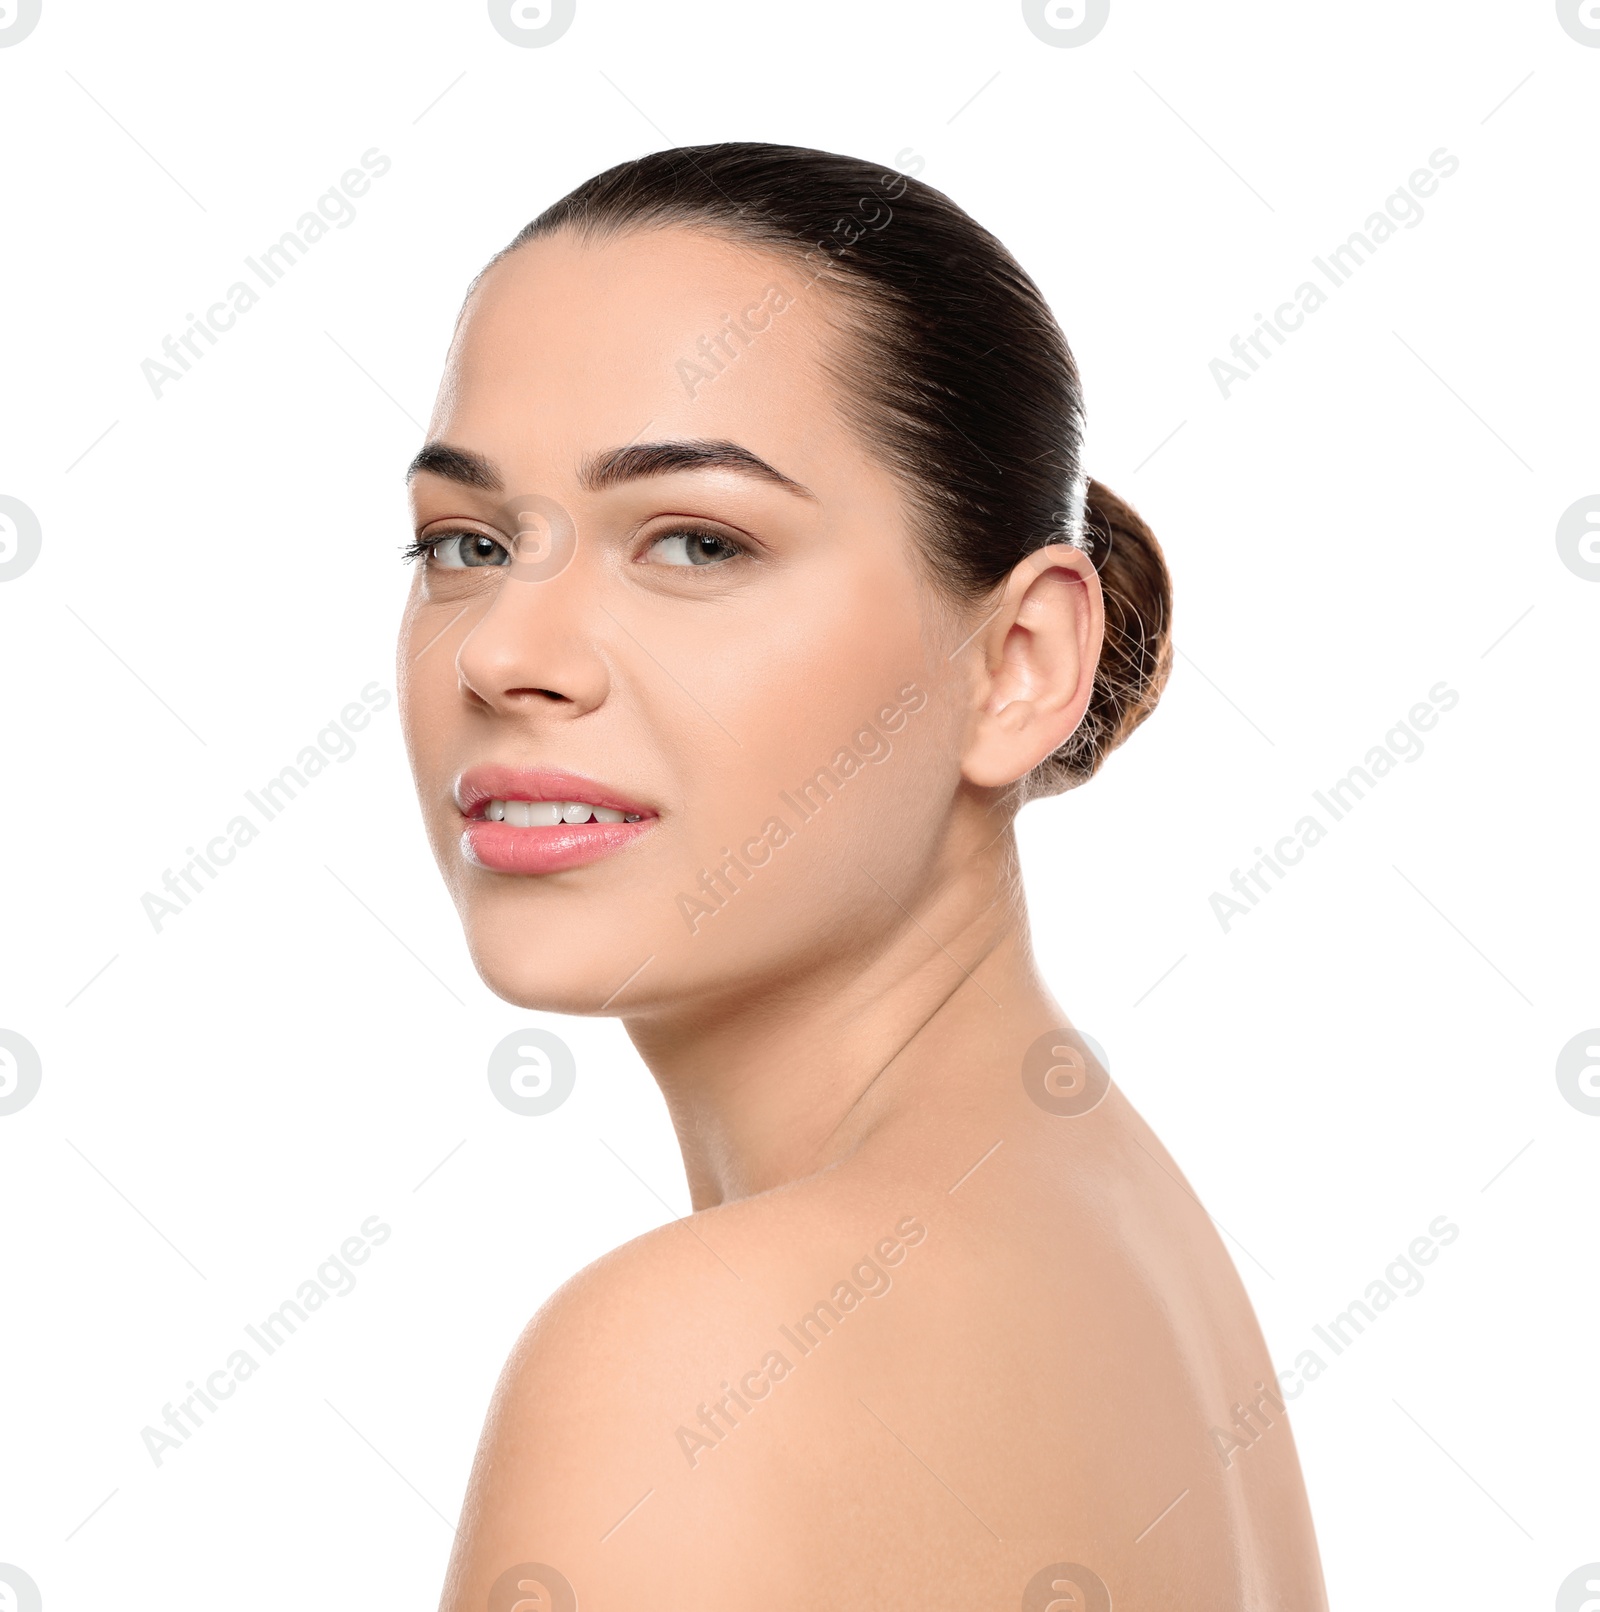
548	813
533	813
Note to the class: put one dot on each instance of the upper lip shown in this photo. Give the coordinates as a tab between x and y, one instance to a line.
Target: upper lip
477	786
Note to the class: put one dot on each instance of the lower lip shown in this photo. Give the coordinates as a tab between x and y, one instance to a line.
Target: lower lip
502	848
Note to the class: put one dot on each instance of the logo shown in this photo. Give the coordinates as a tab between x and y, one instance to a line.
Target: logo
19	1083
1066	1587
1581	19
532	23
532	1587
532	1071
19	526
18	19
1578	1076
1066	23
1065	1073
1578	530
18	1592
546	537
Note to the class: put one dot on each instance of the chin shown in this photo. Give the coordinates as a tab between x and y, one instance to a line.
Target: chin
546	968
525	982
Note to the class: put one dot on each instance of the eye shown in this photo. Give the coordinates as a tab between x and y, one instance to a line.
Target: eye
460	551
693	548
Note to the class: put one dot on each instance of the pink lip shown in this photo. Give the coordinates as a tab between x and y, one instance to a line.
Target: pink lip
502	848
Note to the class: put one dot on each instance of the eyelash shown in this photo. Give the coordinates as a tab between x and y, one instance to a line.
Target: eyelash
420	548
689	529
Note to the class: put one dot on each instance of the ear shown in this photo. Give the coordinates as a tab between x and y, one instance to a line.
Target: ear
1039	649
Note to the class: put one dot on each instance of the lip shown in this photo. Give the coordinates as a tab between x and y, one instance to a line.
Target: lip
502	848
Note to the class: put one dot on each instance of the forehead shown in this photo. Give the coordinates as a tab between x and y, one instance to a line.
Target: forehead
568	345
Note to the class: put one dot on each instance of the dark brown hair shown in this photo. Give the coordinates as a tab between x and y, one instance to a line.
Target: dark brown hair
952	366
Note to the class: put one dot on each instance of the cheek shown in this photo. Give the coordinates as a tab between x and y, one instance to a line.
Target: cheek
824	843
844	636
826	801
427	685
812	682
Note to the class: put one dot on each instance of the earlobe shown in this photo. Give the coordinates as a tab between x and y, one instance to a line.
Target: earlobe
1039	650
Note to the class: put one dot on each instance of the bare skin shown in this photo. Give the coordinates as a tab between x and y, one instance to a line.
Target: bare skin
1023	1326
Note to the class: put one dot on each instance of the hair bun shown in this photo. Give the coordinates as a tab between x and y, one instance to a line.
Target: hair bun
1137	654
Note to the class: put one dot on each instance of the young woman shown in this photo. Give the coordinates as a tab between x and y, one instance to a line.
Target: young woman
759	587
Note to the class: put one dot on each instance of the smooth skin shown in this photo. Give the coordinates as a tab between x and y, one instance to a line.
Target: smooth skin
1028	1369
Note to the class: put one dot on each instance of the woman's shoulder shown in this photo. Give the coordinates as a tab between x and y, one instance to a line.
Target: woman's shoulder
647	1399
647	1332
933	1379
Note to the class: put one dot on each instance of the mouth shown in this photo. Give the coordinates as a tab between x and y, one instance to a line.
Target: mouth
541	820
549	813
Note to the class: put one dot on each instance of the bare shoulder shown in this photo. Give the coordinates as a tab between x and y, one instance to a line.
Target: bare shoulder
638	1317
651	1400
926	1380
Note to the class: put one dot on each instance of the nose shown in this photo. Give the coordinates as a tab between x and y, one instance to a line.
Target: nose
533	649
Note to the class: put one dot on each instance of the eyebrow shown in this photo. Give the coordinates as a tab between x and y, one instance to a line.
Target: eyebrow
456	464
611	468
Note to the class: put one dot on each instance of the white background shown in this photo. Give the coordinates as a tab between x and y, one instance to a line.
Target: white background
1374	1045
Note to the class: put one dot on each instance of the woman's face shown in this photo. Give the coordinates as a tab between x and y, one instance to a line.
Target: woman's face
668	584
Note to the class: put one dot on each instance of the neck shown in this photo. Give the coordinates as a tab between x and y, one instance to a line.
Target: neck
770	1085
